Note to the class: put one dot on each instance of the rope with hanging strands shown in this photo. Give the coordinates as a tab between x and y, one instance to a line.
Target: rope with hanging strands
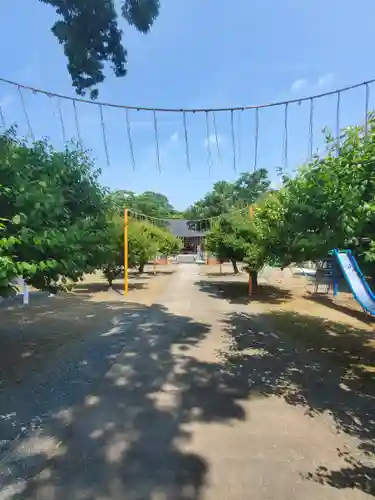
239	127
311	129
61	118
142	216
2	118
104	135
367	98
285	141
76	120
233	140
26	114
236	144
37	90
216	138
186	142
130	139
156	141
209	156
338	123
256	137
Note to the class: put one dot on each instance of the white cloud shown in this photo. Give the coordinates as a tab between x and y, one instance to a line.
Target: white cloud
298	85
325	80
211	140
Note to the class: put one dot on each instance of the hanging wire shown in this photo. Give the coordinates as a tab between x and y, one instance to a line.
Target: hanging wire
256	139
187	110
59	111
209	156
311	129
26	114
54	110
285	142
338	123
239	127
186	141
216	138
104	135
2	119
156	141
233	140
77	123
130	140
366	109
192	221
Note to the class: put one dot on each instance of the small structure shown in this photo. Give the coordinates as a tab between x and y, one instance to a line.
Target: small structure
192	238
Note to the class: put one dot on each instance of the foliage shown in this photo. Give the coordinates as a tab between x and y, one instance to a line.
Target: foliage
148	203
113	264
330	203
147	240
90	35
232	238
55	214
227	196
167	243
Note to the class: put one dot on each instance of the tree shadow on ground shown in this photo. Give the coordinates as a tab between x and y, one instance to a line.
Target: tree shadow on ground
218	274
90	288
237	292
159	272
125	436
323	366
327	301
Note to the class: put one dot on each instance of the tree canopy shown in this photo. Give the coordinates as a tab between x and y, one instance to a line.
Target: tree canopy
227	196
90	34
329	203
59	223
53	212
147	203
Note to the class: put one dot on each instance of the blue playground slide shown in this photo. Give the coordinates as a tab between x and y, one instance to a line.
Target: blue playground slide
355	279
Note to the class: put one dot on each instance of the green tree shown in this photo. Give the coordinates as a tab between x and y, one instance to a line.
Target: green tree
146	241
148	203
250	187
55	212
331	201
90	34
225	196
230	239
142	247
113	264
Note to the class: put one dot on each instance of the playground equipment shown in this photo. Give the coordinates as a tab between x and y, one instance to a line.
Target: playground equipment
355	279
342	263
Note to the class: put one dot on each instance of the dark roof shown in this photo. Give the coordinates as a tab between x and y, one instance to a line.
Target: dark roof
183	228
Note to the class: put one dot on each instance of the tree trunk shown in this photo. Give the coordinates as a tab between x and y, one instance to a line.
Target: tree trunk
110	280
234	264
141	268
254	279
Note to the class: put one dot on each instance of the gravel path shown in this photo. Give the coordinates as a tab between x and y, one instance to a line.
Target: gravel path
193	408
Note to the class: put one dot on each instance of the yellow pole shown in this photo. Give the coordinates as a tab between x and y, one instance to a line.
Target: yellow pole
126	249
251	211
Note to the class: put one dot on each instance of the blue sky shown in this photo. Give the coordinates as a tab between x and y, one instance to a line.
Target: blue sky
199	54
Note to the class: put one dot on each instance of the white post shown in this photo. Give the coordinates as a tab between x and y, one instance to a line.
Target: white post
26	295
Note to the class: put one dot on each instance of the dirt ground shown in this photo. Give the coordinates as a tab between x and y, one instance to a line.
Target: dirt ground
35	335
287	302
200	397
